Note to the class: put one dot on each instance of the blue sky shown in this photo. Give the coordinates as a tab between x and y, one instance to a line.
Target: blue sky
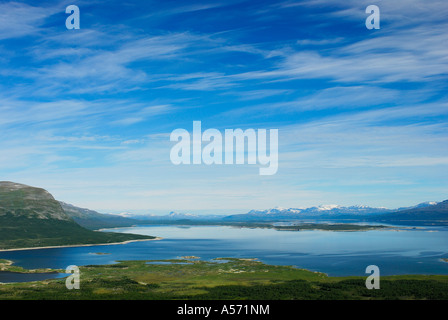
362	114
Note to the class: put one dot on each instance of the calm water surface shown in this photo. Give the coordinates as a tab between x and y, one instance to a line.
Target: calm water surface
416	251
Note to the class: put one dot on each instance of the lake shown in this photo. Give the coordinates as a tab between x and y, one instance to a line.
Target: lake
410	251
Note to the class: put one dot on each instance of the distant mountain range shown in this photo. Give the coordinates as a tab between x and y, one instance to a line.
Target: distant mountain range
172	216
312	212
93	220
431	212
422	211
326	212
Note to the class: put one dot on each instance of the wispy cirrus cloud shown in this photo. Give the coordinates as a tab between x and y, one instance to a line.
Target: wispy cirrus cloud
388	59
385	137
19	19
94	107
143	113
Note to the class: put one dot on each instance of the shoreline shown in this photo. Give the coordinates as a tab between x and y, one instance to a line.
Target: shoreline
80	245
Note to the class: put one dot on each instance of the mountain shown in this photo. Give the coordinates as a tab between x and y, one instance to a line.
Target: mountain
18	200
330	212
31	217
91	219
189	216
172	216
434	212
420	205
324	211
357	212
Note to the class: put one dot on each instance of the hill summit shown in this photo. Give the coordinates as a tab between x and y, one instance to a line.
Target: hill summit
21	200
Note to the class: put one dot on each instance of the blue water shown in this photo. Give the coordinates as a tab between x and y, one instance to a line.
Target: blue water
8	277
413	251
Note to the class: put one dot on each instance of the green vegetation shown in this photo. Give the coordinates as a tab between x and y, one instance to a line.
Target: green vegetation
225	278
23	232
18	200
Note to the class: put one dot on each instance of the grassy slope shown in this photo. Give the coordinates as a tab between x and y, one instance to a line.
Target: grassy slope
233	279
22	232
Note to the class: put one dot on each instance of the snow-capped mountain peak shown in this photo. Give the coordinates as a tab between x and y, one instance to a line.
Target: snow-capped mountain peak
328	207
124	214
174	214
